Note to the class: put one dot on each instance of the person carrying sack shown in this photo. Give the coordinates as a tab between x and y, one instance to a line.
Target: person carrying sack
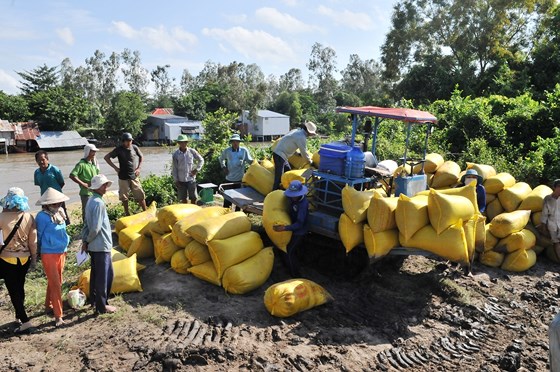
53	242
18	251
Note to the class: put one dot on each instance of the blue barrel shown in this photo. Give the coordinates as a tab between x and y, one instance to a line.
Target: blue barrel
355	163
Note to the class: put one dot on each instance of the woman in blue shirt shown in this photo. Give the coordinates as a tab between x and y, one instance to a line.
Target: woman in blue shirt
53	241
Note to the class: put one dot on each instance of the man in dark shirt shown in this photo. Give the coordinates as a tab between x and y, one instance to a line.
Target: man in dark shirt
299	210
130	159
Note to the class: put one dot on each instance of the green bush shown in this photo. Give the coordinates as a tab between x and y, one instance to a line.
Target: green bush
160	189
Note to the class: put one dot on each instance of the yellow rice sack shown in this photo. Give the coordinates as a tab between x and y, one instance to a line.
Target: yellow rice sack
402	170
126	221
142	246
154	228
351	234
541	240
197	253
446	175
356	203
523	239
491	240
206	272
169	215
299	162
249	274
536	218
292	175
493	209
381	213
490	198
491	258
512	197
480	233
446	210
497	183
259	178
166	248
276	212
451	244
468	191
221	227
316	159
380	244
179	235
470	232
179	231
231	251
147	229
483	170
292	296
128	234
520	260
125	277
268	165
534	201
508	223
411	214
432	163
179	262
156	238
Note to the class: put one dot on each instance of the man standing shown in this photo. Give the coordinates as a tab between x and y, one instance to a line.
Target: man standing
97	240
48	175
233	161
287	146
83	172
130	160
550	217
186	163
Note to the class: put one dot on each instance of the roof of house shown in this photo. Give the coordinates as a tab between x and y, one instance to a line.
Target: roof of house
26	131
167	116
270	114
5	126
162	111
60	139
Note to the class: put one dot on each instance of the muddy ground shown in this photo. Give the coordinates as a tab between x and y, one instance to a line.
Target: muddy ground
412	313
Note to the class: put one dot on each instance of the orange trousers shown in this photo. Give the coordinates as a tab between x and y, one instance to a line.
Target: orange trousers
53	264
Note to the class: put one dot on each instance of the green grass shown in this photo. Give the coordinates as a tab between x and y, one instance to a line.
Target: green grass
456	292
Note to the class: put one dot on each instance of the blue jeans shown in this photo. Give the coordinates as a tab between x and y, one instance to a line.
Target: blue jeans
101	280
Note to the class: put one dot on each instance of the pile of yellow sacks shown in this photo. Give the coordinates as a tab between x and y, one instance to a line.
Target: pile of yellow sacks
293	296
212	243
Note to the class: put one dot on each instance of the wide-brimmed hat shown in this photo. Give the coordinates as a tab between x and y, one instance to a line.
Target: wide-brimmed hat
472	172
15	198
296	189
311	127
126	137
98	181
183	138
90	147
52	196
235	137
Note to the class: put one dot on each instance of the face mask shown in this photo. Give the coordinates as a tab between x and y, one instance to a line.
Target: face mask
468	181
53	209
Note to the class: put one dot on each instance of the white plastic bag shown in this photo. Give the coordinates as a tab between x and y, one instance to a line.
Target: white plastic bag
76	298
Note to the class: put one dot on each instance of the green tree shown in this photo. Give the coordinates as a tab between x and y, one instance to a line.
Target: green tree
288	103
126	114
13	108
39	79
193	104
58	109
545	66
362	78
322	67
134	74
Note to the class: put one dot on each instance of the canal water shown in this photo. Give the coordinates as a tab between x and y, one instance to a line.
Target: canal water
17	170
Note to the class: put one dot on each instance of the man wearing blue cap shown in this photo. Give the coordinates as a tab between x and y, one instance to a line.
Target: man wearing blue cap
299	210
233	161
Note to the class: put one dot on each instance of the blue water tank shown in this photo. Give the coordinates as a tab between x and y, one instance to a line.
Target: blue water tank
355	162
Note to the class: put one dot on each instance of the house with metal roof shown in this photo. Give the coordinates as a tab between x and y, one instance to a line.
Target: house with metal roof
7	136
268	125
60	140
165	128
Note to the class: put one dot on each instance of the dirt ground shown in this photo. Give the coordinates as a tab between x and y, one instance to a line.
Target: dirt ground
411	313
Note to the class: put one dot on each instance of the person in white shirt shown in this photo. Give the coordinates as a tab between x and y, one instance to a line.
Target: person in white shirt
550	217
287	146
186	163
233	161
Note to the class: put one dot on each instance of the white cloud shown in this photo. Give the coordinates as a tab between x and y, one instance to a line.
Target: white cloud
290	2
172	40
65	34
255	44
8	83
282	21
354	20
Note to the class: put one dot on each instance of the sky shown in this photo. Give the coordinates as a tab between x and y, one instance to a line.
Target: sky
276	35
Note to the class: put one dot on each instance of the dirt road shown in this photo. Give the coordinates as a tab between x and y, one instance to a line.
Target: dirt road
414	314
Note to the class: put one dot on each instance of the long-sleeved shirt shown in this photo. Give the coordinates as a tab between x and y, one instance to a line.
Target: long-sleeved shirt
51	237
298	215
287	145
51	177
24	242
97	228
551	211
183	164
481	198
235	162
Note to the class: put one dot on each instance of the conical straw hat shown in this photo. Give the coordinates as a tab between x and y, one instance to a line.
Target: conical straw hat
51	196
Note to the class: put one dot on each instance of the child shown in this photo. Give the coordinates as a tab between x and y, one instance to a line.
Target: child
48	175
299	210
